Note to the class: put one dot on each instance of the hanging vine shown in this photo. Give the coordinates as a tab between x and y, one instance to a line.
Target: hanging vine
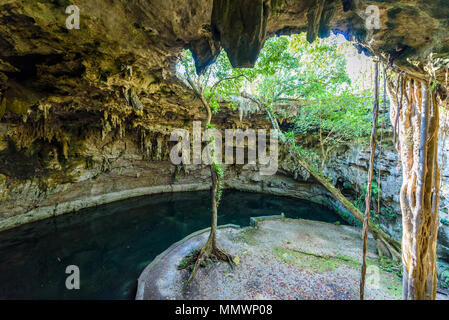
418	146
370	178
384	109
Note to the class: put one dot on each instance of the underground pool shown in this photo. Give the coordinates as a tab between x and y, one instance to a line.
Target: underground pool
111	244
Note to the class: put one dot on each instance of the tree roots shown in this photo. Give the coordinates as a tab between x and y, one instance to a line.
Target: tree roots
209	251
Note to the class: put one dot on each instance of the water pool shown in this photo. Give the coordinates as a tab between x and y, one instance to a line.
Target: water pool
111	244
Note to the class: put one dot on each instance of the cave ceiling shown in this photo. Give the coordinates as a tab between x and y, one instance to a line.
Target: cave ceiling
124	53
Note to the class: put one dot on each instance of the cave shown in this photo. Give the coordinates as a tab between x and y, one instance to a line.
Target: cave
93	113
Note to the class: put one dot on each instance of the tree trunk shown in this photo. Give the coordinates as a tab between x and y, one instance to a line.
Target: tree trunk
323	154
210	248
214	205
418	149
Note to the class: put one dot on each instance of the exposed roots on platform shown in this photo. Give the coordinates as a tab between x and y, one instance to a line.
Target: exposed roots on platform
198	258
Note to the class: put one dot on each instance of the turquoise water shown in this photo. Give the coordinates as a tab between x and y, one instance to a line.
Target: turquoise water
112	244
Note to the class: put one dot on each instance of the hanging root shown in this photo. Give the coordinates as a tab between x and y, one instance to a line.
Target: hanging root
370	179
418	147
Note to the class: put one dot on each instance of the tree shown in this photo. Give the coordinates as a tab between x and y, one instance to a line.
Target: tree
414	113
336	111
333	120
210	87
289	70
221	82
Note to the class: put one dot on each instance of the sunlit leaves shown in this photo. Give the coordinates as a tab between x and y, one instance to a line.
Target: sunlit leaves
289	68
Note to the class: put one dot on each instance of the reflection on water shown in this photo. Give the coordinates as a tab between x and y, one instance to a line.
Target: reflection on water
111	244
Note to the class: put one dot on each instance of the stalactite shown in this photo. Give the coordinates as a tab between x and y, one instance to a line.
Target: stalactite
159	141
148	146
143	134
313	20
45	108
65	148
105	129
370	178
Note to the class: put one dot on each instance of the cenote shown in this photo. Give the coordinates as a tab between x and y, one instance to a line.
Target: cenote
111	244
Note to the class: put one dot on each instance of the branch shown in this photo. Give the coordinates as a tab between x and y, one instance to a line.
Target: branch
229	78
200	95
290	99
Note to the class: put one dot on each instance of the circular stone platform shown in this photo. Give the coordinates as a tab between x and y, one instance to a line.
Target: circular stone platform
279	259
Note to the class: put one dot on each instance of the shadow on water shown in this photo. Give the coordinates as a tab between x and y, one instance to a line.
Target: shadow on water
111	244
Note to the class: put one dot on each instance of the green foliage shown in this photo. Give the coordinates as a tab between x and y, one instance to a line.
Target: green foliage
274	68
291	69
220	174
312	158
218	168
333	112
218	83
331	109
444	221
434	86
339	118
388	212
189	260
214	105
384	210
390	265
444	279
290	137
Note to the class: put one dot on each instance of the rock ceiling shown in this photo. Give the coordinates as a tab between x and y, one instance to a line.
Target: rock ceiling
41	59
